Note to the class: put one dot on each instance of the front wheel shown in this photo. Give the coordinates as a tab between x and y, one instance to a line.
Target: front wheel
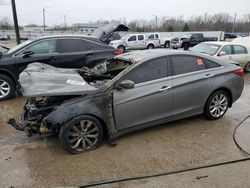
247	67
216	105
121	48
81	134
7	87
167	44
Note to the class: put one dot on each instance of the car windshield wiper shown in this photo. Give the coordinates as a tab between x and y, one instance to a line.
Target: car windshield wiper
4	47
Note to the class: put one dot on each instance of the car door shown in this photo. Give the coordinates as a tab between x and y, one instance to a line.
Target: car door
240	55
44	51
72	52
226	52
193	80
132	42
151	98
141	43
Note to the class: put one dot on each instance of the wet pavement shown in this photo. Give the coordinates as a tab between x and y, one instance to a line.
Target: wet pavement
41	161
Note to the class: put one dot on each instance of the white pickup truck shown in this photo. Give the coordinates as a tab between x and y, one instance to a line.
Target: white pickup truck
135	42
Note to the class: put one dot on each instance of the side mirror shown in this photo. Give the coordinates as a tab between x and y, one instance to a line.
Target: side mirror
126	84
27	54
222	53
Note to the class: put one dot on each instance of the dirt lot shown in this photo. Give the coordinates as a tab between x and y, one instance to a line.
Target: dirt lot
41	161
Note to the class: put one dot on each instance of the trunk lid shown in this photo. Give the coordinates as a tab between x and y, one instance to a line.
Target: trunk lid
104	33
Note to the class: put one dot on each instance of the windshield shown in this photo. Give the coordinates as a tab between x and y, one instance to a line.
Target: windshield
19	46
206	48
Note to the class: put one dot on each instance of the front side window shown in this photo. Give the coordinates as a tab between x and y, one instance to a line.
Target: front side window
186	64
227	49
148	71
132	38
239	49
43	47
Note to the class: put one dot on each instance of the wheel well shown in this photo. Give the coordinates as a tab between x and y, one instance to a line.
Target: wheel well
228	92
8	74
105	127
150	44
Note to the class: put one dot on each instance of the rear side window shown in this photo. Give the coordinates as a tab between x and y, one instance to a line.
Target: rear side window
78	45
210	64
140	37
239	49
156	36
132	38
186	64
147	71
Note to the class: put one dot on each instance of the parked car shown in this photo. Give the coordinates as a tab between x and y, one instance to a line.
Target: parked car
194	39
70	51
163	42
155	37
5	37
133	91
134	42
227	51
177	42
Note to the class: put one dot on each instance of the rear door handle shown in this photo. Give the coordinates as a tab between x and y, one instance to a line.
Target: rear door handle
208	75
165	88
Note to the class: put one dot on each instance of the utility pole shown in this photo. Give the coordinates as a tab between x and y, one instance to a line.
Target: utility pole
15	21
156	23
43	19
65	26
234	22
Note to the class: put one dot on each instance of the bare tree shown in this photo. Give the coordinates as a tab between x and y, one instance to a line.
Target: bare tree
5	23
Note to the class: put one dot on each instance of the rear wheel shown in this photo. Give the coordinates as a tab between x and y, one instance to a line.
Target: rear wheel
83	133
150	46
186	46
217	105
247	67
7	87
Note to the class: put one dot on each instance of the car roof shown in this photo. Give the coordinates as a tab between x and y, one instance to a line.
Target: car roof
218	42
144	55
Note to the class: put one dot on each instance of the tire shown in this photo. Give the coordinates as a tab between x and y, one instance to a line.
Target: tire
82	134
150	46
7	87
121	48
217	105
247	67
167	44
186	46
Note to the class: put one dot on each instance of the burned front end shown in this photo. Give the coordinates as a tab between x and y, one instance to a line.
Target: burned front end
46	88
33	119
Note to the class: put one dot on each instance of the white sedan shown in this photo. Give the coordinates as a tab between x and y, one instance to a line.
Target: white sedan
227	51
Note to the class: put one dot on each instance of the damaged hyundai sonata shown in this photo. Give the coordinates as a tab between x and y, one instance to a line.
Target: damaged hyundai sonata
126	93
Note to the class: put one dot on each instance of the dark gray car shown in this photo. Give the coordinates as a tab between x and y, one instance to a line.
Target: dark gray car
129	92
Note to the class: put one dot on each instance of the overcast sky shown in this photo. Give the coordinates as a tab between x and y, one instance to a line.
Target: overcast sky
30	11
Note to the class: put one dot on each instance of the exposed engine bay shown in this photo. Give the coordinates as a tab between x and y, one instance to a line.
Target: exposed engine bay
47	87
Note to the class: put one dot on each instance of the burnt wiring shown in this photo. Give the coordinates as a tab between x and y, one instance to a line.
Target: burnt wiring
111	181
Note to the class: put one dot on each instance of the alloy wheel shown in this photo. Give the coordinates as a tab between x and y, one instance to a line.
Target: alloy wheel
218	105
83	135
4	88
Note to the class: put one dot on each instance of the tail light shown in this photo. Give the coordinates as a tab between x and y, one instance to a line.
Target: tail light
118	52
239	72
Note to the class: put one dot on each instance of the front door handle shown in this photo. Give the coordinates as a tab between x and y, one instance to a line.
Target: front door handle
53	58
165	88
208	75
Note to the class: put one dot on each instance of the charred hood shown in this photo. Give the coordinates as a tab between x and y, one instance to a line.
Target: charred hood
40	79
